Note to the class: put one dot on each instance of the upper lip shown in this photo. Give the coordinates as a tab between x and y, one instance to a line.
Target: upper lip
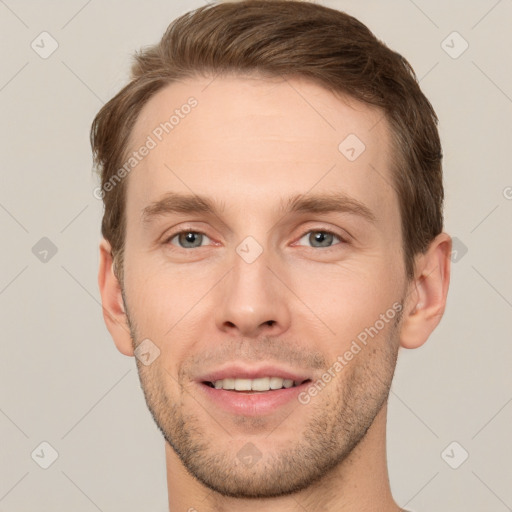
239	371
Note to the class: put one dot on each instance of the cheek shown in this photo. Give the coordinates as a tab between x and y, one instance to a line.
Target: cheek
153	303
167	304
348	298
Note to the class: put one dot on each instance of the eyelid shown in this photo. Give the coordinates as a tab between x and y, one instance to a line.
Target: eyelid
342	239
168	237
319	225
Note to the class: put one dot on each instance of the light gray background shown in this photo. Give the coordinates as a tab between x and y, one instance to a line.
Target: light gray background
62	379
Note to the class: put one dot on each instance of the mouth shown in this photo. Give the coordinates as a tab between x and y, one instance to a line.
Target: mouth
255	386
252	391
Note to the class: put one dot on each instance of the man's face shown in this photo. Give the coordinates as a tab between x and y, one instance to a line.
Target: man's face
256	283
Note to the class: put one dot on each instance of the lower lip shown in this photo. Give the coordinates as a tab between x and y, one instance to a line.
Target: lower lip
252	404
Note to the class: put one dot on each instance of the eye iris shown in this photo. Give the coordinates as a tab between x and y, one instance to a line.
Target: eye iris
325	239
190	237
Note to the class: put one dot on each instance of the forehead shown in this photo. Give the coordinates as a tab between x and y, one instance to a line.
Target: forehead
247	139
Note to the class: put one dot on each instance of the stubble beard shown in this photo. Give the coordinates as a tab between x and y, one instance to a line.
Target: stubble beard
339	418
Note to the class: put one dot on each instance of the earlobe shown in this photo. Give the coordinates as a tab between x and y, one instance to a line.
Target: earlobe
427	293
112	301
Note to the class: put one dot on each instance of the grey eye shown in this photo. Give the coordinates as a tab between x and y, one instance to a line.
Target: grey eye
320	238
189	239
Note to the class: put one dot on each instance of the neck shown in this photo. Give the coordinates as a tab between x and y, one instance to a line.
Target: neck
360	483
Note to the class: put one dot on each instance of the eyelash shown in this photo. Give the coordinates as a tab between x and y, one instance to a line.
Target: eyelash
341	239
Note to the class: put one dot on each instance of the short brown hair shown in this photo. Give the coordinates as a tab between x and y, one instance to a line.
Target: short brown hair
284	38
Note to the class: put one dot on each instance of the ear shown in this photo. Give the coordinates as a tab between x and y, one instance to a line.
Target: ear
426	300
112	302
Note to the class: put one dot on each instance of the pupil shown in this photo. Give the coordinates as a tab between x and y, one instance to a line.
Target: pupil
190	238
322	238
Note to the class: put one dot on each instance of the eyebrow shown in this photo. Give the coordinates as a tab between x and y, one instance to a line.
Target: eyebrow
329	203
174	202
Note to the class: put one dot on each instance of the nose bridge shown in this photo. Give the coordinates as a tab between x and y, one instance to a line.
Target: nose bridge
250	273
252	299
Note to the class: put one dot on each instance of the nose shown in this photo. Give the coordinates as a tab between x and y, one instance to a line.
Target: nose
252	301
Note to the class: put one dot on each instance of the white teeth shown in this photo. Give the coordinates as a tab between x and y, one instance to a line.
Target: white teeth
259	384
276	383
225	384
262	384
243	384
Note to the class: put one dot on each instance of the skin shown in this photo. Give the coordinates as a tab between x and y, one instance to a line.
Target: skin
250	144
